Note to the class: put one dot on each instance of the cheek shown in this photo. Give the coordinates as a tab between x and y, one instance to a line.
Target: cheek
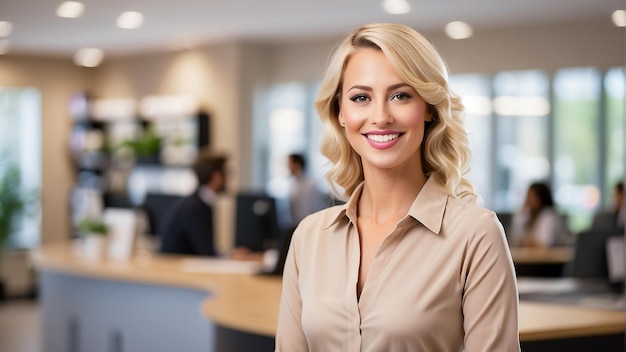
411	117
349	117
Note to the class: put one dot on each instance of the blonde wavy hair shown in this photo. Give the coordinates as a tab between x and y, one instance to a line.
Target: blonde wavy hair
445	150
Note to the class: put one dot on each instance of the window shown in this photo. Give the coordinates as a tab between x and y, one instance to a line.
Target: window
475	93
293	128
521	109
566	129
576	148
20	143
613	131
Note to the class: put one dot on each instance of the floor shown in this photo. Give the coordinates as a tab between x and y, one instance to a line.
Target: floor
19	326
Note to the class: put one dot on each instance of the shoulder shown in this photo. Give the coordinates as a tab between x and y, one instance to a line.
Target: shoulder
323	218
550	214
479	233
190	203
603	214
308	184
470	212
320	221
472	221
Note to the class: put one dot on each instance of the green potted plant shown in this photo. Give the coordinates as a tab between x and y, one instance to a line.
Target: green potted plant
93	226
13	202
94	233
147	148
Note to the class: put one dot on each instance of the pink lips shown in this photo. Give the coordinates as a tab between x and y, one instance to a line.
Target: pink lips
382	139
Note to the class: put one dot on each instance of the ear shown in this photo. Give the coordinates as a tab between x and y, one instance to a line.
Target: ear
430	112
342	121
217	177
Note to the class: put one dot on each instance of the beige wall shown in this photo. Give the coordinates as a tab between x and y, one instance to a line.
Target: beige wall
547	47
57	80
225	77
209	75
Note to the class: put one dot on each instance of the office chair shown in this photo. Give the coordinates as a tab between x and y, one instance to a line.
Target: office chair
156	206
506	219
589	259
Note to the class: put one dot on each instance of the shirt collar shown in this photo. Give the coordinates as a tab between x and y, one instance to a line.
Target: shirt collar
207	195
430	205
427	208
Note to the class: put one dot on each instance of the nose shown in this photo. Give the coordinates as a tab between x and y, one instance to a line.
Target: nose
381	114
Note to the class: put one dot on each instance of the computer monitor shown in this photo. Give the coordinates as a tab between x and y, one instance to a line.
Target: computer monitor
256	223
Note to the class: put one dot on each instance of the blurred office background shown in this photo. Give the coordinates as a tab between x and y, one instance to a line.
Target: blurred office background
544	98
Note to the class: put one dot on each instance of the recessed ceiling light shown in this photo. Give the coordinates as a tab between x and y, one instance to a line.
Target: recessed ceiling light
459	30
185	42
130	20
5	28
396	7
70	9
88	57
4	46
619	18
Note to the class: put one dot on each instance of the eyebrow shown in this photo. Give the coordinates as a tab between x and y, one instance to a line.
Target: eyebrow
392	87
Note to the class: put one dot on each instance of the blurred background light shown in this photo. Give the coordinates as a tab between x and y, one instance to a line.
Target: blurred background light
459	30
130	20
396	7
88	57
70	9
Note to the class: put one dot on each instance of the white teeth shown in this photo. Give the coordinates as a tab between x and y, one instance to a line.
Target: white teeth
382	138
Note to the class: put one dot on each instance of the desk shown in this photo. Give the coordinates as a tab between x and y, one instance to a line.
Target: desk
553	255
546	262
213	311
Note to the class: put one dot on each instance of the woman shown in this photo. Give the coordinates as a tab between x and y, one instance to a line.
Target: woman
538	224
409	263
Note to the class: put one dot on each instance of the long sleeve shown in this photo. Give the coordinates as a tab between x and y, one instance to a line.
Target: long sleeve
200	231
289	334
490	298
188	229
442	280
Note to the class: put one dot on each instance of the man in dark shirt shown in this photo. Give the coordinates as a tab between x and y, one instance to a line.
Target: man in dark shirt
189	227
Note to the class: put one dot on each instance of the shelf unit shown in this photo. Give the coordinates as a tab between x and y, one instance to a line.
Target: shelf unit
122	150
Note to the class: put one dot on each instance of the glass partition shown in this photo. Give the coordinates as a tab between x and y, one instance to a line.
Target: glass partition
475	93
565	128
521	108
614	131
577	161
20	145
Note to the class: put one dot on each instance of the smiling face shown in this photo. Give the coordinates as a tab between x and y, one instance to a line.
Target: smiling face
382	115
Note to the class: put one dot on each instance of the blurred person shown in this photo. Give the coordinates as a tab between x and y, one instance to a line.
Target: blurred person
304	196
410	262
538	223
189	227
616	215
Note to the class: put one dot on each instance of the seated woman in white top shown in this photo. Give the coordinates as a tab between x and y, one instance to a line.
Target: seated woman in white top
538	223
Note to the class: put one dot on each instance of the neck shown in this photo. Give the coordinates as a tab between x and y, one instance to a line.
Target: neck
385	197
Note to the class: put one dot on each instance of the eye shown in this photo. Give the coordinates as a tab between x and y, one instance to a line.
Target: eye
360	98
400	96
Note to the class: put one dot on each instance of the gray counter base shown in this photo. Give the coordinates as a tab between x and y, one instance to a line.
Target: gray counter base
91	315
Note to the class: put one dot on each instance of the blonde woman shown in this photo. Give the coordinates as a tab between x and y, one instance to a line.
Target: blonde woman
409	263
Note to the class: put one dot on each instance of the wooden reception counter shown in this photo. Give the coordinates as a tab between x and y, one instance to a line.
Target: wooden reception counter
553	255
545	262
164	303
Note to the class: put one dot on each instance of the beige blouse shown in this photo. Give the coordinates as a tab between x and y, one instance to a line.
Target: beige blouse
442	280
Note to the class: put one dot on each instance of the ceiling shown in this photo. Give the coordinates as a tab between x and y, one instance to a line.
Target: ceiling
37	30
